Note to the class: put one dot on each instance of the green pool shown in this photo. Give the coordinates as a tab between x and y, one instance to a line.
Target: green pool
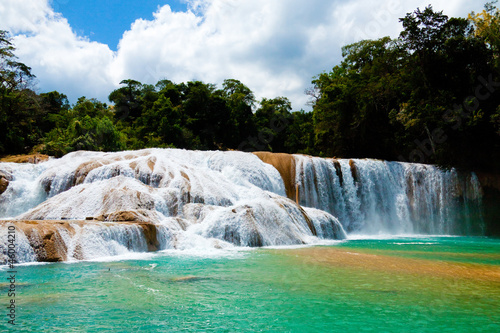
429	284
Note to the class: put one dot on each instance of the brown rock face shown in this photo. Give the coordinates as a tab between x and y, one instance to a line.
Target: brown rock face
45	238
150	232
338	171
285	164
354	171
4	183
127	216
33	158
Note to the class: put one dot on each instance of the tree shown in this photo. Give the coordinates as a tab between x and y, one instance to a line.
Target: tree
86	126
240	100
487	27
422	30
127	100
351	113
420	96
161	125
272	119
19	106
300	134
13	74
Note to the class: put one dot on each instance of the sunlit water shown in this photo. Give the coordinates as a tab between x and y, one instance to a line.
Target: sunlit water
431	284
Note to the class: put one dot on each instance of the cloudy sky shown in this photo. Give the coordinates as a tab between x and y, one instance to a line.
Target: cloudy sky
275	47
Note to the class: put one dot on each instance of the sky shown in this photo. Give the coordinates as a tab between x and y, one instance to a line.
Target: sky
275	47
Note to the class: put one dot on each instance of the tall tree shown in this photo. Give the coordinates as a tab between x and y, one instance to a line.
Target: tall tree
487	27
19	106
127	100
240	100
273	118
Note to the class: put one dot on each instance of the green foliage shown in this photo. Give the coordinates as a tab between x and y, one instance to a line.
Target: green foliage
19	106
127	100
273	118
487	28
87	126
351	115
300	134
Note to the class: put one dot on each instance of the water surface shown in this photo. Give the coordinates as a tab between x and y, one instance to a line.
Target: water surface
418	284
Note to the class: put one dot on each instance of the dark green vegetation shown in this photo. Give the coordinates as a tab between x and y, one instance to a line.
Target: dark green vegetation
432	95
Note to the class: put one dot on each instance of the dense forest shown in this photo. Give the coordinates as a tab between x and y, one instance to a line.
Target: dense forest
432	95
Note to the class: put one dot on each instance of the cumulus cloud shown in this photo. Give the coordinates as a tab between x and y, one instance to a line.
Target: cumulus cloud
59	58
274	47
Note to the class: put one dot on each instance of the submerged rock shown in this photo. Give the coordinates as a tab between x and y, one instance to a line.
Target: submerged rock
190	278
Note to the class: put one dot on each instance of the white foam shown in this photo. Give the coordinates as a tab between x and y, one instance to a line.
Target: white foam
392	197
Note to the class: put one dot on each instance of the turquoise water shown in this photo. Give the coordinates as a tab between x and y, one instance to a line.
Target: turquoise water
433	284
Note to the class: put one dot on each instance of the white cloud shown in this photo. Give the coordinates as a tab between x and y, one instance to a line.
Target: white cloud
275	47
24	16
59	58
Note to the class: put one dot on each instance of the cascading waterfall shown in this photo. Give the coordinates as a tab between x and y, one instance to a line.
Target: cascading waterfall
373	197
23	250
24	191
93	241
222	199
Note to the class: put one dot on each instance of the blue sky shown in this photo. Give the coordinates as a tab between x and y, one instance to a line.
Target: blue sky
105	21
275	47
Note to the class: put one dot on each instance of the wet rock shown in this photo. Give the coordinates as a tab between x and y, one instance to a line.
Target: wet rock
285	164
354	170
189	278
338	171
128	216
4	183
32	158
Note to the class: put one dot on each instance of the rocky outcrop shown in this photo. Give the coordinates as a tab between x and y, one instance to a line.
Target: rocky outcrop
46	240
116	199
285	164
141	215
354	170
33	158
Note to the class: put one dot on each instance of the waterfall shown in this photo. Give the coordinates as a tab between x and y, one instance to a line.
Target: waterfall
20	250
93	241
372	197
24	190
105	204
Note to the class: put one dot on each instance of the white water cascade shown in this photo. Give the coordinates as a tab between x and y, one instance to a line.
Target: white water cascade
379	197
226	199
